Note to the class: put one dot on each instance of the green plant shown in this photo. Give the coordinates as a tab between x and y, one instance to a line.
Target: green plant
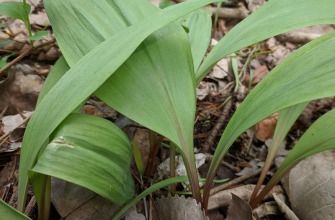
136	59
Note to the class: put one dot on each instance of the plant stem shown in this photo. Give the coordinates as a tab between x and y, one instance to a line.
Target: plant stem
172	165
153	154
216	17
28	21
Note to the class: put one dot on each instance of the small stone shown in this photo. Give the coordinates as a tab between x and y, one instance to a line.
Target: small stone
25	48
41	56
4	36
10	47
20	41
40	19
52	54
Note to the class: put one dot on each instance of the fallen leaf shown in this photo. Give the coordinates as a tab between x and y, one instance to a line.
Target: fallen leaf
75	202
265	129
279	54
178	208
267	208
206	88
311	186
11	122
239	209
99	109
289	214
20	90
259	73
223	198
253	5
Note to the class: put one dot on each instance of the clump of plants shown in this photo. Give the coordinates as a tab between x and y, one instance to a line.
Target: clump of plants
139	60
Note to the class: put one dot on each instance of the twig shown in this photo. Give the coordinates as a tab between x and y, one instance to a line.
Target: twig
224	89
209	158
30	206
235	181
9	133
3	112
172	165
25	54
217	127
14	166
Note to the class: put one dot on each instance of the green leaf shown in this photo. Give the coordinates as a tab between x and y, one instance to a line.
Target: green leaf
56	73
15	10
151	189
138	157
42	190
165	4
8	212
38	35
2	64
199	24
305	75
99	146
119	45
285	15
186	29
286	119
2	25
5	43
319	137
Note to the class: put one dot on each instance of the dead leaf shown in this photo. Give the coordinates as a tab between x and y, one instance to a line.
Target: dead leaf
259	73
267	208
265	129
20	90
206	88
311	186
178	208
279	54
74	202
99	109
253	5
289	214
239	209
223	198
11	122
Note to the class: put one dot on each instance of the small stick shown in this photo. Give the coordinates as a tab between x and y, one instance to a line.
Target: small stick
224	89
3	137
14	166
25	54
219	123
3	112
172	165
30	206
209	158
235	181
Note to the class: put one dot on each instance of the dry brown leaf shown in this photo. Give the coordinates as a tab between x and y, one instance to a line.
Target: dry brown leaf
20	90
259	73
265	129
311	187
99	109
239	209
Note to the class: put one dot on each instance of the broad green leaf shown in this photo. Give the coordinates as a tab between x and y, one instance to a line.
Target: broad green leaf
56	73
165	4
15	10
91	152
151	189
273	18
158	75
319	137
307	74
5	43
38	35
2	25
8	212
199	24
138	157
286	119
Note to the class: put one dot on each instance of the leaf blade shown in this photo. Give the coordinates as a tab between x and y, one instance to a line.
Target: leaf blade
285	16
46	117
14	10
